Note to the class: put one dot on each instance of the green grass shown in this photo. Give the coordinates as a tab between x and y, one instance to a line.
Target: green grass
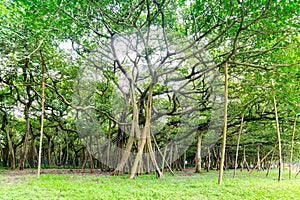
196	186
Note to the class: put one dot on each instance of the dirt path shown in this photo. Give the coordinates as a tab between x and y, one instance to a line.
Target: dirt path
52	171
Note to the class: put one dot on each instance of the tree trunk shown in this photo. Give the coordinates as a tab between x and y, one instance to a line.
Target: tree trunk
170	155
5	155
164	158
84	162
138	158
237	147
60	154
208	161
244	159
270	165
25	143
257	164
216	158
292	148
67	148
198	155
133	132
42	121
152	156
49	150
11	151
258	158
108	145
176	157
184	158
33	153
279	141
146	137
92	165
225	124
1	154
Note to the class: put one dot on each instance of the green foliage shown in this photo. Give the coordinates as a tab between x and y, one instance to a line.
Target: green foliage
259	39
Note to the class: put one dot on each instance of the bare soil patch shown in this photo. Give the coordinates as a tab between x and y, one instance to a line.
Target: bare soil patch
53	171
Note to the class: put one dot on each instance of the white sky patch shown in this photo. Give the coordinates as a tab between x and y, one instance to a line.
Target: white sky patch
66	45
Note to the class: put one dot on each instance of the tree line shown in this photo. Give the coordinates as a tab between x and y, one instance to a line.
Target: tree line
144	85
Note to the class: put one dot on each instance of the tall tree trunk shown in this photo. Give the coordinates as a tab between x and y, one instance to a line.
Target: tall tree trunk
60	154
146	137
108	145
152	156
92	165
67	148
1	155
208	160
176	157
184	158
244	159
133	132
33	152
279	141
258	163
237	147
9	146
84	162
198	155
271	161
49	150
5	155
225	124
258	158
25	143
170	155
42	121
292	148
11	151
164	158
138	158
27	104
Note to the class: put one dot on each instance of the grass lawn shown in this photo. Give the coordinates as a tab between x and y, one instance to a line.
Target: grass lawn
181	186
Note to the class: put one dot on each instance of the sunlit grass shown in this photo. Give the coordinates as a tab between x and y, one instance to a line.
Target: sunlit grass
181	186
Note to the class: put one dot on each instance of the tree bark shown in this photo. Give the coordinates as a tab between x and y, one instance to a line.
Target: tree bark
170	155
279	141
184	158
11	151
145	137
244	159
257	164
159	173
258	158
33	152
133	132
42	121
237	147
225	124
198	155
292	148
49	150
108	145
164	158
25	143
270	165
208	160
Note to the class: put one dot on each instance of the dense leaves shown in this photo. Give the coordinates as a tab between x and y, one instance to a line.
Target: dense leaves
259	41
